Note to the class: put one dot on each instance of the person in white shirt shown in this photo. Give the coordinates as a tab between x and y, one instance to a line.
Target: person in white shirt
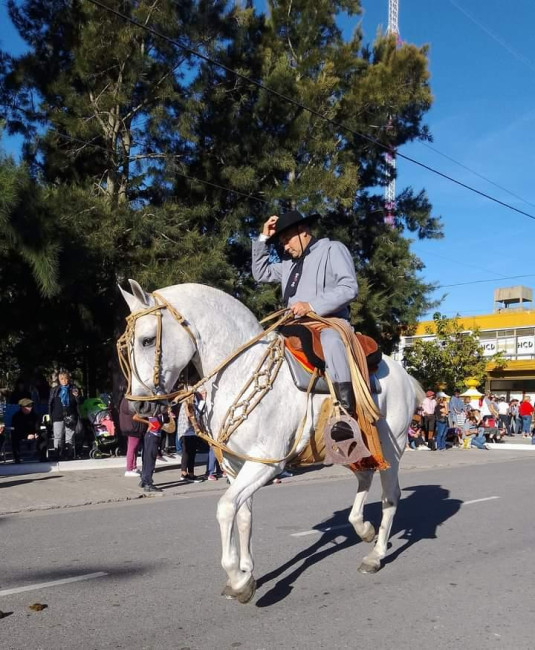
504	416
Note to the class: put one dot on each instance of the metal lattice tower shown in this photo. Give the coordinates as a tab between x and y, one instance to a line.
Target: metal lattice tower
390	156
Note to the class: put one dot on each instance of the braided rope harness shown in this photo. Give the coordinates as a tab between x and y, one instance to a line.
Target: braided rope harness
252	393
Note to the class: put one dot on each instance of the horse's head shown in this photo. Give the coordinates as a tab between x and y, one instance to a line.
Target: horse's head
154	349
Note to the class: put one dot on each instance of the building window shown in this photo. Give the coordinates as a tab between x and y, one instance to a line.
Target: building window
505	333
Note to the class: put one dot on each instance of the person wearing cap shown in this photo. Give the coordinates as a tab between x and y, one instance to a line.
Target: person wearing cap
428	407
316	275
24	426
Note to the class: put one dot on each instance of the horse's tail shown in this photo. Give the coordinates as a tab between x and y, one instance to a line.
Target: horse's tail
419	393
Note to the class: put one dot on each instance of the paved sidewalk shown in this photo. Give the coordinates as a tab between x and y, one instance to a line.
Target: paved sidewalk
103	481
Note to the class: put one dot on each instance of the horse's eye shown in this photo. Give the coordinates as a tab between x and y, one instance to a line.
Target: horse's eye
147	342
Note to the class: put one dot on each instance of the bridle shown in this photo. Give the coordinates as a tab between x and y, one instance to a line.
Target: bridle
125	351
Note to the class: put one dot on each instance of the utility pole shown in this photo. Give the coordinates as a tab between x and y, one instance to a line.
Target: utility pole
390	156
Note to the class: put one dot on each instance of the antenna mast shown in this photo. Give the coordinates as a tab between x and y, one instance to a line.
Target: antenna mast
390	156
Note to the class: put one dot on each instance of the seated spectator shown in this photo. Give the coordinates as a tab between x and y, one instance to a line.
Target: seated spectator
473	436
416	437
491	431
25	426
454	435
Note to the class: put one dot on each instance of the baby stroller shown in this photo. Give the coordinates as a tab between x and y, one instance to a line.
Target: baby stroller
105	443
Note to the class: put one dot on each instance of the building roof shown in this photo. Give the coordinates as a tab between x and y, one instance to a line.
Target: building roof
505	319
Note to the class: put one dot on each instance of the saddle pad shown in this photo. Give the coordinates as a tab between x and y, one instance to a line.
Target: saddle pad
301	371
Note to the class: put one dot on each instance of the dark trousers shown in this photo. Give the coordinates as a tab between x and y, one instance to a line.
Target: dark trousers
505	422
148	459
429	426
189	450
15	446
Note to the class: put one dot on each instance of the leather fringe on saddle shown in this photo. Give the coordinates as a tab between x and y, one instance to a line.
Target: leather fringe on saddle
366	448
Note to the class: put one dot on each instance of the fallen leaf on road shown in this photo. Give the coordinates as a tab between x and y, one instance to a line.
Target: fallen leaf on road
37	607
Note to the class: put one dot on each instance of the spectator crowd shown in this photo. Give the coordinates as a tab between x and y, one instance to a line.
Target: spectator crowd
440	423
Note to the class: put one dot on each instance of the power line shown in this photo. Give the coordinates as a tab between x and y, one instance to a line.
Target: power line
495	37
472	171
303	107
462	284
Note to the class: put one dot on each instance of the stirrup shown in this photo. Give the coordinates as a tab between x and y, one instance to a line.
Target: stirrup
350	450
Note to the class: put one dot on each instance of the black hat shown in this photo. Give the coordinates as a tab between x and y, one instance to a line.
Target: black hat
290	219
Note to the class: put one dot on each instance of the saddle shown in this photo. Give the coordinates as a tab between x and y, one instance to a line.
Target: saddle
304	353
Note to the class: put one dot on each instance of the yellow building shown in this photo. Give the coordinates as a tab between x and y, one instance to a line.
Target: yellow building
510	330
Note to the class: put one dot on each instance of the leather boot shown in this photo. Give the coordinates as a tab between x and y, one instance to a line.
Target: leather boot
346	397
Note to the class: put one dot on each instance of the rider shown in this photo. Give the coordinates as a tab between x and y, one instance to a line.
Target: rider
317	275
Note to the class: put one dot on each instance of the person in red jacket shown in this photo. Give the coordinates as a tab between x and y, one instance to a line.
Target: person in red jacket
525	410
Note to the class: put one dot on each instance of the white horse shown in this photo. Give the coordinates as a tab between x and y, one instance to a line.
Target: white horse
215	325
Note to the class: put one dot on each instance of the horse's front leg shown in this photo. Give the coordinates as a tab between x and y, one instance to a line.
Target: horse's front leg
390	499
234	516
364	529
244	520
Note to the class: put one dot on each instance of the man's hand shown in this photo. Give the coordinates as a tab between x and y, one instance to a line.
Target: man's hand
300	309
269	226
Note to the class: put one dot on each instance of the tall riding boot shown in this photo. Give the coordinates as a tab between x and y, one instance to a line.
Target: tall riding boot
345	395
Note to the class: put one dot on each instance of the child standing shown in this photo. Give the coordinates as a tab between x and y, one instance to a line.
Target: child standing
151	441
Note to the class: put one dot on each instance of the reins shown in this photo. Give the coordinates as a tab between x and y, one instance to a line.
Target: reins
125	345
257	385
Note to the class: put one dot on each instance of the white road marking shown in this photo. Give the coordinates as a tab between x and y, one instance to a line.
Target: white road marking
319	531
54	583
467	503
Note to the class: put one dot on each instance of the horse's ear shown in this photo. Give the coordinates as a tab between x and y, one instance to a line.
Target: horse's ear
143	297
133	303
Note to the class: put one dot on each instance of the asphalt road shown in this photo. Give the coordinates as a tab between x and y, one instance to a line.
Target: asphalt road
459	573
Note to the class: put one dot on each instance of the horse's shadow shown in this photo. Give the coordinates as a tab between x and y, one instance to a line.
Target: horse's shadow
418	517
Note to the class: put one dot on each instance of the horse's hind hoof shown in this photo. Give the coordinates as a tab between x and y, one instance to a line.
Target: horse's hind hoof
246	594
366	567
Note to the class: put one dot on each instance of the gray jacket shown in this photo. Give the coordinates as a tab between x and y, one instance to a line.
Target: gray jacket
328	283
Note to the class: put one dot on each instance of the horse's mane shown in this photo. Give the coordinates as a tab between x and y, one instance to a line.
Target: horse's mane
220	305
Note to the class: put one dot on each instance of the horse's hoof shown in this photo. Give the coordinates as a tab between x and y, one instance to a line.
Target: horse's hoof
228	592
246	594
366	567
369	535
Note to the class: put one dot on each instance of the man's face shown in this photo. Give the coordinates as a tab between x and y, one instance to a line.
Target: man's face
292	241
26	409
63	380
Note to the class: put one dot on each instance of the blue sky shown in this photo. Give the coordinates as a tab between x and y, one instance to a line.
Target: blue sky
483	116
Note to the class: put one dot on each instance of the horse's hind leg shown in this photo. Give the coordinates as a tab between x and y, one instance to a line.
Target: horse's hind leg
364	529
390	500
